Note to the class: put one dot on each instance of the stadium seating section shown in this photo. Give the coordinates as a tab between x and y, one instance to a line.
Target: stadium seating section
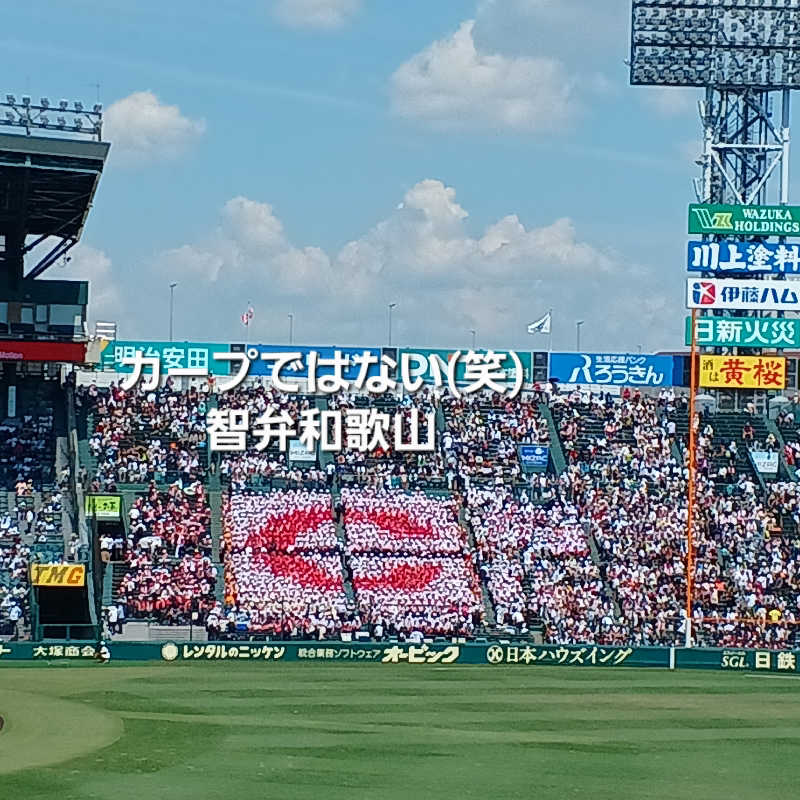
458	542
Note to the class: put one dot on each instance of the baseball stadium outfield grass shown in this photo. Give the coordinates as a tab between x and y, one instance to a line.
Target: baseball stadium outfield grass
302	731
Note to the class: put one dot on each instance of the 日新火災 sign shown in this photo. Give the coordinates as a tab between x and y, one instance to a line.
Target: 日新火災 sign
743	372
731	258
744	220
745	332
742	295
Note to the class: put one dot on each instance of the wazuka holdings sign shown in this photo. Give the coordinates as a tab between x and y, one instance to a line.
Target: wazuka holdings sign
745	220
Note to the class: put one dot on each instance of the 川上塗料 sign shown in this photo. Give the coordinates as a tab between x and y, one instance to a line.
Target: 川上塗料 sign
744	332
742	295
743	257
743	372
738	220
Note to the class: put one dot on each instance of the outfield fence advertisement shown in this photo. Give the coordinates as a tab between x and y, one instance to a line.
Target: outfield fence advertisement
516	654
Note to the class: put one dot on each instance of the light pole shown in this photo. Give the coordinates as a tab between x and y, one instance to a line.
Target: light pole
171	306
391	306
291	328
474	334
578	335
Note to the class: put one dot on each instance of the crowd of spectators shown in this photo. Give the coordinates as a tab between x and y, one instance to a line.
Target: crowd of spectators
596	554
140	436
26	449
410	562
158	587
482	434
283	567
14	563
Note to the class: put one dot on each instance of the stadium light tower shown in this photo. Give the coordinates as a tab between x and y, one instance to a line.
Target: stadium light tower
745	56
36	118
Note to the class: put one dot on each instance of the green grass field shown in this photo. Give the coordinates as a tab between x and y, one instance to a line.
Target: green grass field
300	731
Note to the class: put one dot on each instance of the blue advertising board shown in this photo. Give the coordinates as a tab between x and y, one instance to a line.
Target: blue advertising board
731	258
173	355
299	369
614	369
533	457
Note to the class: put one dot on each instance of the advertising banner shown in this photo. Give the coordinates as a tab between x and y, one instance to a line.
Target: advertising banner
766	463
298	370
745	332
173	355
62	575
426	363
742	295
738	220
533	457
743	372
103	506
300	454
743	257
511	655
69	352
610	369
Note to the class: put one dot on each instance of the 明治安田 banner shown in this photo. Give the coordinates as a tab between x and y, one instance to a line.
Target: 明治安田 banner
613	369
744	220
171	355
735	258
745	332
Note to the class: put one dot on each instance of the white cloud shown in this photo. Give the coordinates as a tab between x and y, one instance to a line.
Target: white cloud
318	14
142	129
90	264
452	83
423	256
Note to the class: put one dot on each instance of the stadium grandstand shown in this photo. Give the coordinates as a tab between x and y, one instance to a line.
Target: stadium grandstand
461	542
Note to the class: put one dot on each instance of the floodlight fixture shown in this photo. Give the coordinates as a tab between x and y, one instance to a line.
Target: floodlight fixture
734	44
30	116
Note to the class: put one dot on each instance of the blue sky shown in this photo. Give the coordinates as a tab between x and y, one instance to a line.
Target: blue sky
475	161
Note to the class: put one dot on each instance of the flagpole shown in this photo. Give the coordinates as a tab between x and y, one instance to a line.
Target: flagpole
550	335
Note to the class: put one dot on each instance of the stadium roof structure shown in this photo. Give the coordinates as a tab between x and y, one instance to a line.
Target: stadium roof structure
47	186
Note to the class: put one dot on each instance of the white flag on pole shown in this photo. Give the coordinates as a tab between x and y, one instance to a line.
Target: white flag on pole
541	325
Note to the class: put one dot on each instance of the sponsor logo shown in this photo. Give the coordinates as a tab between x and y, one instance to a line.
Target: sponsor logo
169	651
70	575
704	293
